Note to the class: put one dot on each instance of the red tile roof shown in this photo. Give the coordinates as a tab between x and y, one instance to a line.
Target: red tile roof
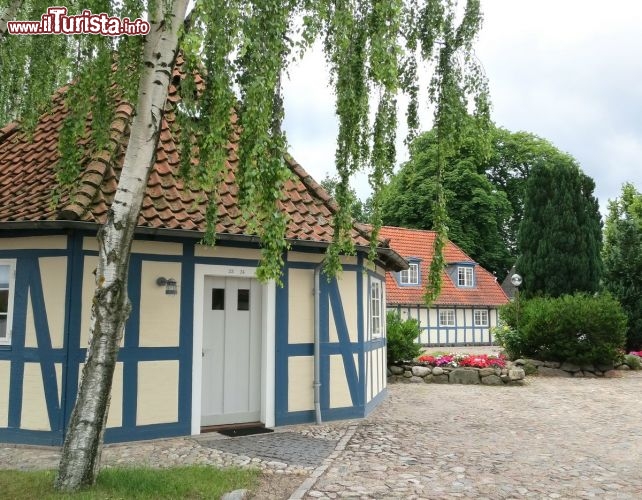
419	244
27	178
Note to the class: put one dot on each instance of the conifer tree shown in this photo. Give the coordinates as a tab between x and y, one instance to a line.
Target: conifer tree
559	239
622	257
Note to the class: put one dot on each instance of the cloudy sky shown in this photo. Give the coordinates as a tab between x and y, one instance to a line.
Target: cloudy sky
569	71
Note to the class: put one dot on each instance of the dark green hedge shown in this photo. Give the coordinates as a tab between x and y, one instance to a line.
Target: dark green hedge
579	328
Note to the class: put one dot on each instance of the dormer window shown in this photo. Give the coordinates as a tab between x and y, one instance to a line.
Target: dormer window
411	275
465	276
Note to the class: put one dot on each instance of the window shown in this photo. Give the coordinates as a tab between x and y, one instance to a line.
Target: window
465	276
376	326
447	317
481	317
218	299
7	274
243	300
410	276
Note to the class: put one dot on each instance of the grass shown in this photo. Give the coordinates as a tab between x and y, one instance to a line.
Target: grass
139	483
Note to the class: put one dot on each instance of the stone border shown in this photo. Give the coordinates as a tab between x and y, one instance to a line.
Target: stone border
567	369
421	372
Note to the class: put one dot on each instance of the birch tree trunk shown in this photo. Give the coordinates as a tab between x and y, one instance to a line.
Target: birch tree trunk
9	14
80	460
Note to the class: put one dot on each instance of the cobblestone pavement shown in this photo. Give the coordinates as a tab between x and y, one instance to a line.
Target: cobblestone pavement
552	438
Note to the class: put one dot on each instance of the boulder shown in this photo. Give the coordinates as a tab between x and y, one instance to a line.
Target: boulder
491	380
396	370
604	367
428	379
484	372
407	373
579	374
437	370
416	380
545	371
613	374
624	367
440	379
464	376
420	371
588	368
516	374
588	374
569	367
534	362
551	364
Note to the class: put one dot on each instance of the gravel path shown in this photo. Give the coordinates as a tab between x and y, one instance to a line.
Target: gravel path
552	438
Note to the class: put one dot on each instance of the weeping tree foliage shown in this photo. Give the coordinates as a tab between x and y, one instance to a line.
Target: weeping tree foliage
477	211
375	50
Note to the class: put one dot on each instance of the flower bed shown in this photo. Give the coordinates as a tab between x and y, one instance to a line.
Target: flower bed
636	353
458	369
470	360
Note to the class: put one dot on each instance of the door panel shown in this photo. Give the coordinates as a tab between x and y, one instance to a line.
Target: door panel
231	351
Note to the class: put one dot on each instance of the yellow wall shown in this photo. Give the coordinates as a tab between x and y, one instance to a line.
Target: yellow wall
157	392
30	326
159	313
348	292
88	286
115	417
227	252
140	246
313	258
34	406
53	272
300	379
339	389
34	242
301	306
5	373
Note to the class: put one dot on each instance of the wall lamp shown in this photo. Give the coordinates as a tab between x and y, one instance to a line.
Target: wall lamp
170	285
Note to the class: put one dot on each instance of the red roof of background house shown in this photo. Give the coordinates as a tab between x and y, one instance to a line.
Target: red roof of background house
27	179
419	243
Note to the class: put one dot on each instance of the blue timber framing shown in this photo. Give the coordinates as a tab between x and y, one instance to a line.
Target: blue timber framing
60	387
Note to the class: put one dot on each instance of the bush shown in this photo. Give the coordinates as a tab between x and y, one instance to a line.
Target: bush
633	362
509	339
579	328
402	336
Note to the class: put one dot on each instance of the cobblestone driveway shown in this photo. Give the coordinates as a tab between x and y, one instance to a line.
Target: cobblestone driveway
552	438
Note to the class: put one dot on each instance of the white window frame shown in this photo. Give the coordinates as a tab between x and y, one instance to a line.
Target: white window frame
410	276
376	329
478	315
6	340
446	317
465	276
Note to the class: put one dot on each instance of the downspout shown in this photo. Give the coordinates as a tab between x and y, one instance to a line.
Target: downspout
317	343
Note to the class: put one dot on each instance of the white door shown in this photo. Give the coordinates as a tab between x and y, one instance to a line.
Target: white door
231	384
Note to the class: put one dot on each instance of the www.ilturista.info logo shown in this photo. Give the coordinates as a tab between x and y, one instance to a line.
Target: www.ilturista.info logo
57	22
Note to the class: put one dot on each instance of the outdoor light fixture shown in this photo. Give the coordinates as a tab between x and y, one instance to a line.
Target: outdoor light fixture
170	285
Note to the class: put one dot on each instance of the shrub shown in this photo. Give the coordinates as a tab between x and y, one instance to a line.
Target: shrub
579	328
402	336
633	362
509	339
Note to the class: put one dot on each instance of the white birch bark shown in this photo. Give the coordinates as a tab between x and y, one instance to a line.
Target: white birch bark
9	14
82	448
